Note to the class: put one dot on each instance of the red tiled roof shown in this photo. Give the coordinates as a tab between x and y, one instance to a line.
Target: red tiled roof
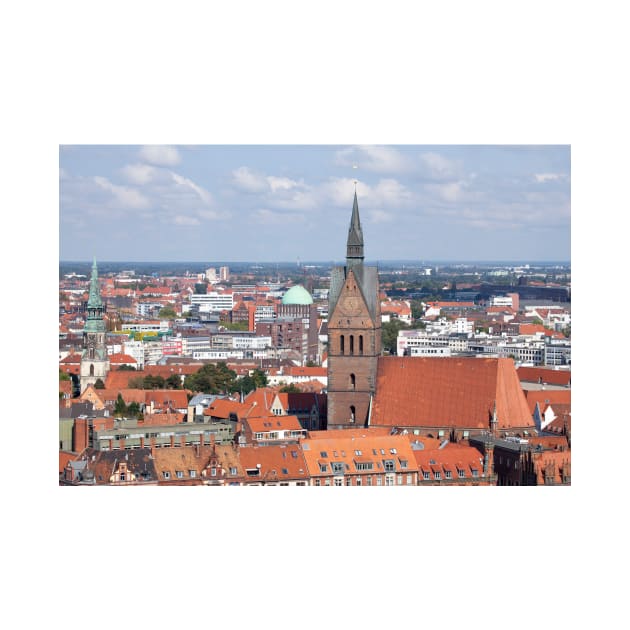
546	396
223	407
275	463
448	392
273	423
549	376
119	358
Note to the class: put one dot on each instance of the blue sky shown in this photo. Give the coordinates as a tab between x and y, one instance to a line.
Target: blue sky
283	202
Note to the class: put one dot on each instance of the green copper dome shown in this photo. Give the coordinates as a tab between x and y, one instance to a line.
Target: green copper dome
297	295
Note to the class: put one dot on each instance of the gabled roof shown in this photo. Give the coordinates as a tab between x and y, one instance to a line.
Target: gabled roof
266	424
448	392
459	459
546	396
223	407
275	463
354	453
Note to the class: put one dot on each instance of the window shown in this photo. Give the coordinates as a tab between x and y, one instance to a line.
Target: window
364	465
447	474
285	471
179	473
403	463
368	480
379	481
352	413
213	472
233	470
389	465
425	474
409	479
353	381
323	454
392	451
437	474
460	473
337	467
360	344
317	482
323	468
342	345
166	474
338	482
389	480
399	479
351	344
357	452
475	472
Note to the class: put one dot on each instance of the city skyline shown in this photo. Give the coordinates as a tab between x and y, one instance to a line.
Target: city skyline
291	202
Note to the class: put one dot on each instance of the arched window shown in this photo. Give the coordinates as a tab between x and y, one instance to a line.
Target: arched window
91	369
342	344
351	344
353	381
352	413
360	344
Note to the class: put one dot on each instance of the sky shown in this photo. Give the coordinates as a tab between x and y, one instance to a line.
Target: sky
272	203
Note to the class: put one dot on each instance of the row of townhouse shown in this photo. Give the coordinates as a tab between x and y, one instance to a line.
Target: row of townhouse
339	458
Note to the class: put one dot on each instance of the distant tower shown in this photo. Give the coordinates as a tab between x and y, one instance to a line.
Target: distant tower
94	360
354	333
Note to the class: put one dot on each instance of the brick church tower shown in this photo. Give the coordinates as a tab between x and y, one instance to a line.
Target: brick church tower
354	333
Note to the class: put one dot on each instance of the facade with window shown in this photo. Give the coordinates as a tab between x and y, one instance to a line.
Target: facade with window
360	461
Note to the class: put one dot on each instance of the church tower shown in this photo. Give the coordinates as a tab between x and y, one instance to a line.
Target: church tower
354	333
94	360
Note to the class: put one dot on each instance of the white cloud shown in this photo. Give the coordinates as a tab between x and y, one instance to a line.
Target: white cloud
379	159
186	183
541	178
437	166
123	195
386	193
139	173
161	155
246	179
278	192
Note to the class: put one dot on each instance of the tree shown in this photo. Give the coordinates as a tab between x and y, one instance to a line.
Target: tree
120	409
133	409
136	383
212	379
167	313
126	368
63	376
389	335
153	382
173	382
98	384
291	388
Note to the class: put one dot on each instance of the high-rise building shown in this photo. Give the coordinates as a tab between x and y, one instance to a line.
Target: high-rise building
354	333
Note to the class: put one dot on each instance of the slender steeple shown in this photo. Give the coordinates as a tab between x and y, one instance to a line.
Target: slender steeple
94	321
354	251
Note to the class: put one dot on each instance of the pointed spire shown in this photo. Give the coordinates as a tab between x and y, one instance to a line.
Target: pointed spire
94	301
354	253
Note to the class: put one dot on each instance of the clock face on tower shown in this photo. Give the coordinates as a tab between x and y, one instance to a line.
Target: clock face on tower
351	305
